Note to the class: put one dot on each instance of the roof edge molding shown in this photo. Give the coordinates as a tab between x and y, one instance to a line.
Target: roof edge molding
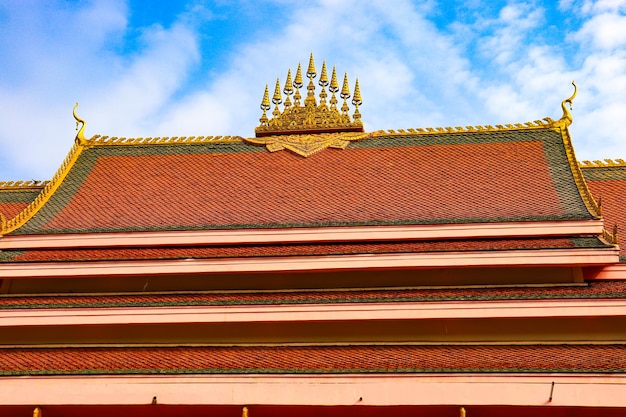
7	226
306	235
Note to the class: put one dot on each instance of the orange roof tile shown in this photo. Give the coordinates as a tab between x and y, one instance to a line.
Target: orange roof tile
592	290
609	183
314	359
396	179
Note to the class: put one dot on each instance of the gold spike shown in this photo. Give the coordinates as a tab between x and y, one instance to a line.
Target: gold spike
288	90
323	77
37	412
277	98
356	99
334	87
80	136
298	81
265	106
310	101
462	412
244	412
345	90
310	72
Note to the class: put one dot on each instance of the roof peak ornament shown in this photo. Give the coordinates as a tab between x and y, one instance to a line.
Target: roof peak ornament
567	117
311	117
80	136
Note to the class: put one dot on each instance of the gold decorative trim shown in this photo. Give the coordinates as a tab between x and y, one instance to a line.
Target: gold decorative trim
45	195
602	164
22	185
307	145
594	207
537	124
99	140
310	117
610	237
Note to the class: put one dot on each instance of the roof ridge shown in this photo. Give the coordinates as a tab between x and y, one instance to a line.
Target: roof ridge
22	185
100	140
546	122
606	163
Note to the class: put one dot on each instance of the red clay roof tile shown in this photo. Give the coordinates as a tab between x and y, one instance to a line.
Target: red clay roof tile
314	359
447	178
593	290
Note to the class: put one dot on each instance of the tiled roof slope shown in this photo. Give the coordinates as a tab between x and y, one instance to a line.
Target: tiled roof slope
13	201
609	183
461	177
591	290
314	359
283	250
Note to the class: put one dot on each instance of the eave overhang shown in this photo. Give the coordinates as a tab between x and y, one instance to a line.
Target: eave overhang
513	258
306	235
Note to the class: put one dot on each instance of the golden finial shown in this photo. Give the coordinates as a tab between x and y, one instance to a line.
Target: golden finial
244	412
277	98
310	72
462	412
310	101
345	95
288	90
345	90
323	82
297	83
265	106
567	115
323	77
80	136
333	88
37	412
356	101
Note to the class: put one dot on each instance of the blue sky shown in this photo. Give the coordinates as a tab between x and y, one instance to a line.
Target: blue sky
174	68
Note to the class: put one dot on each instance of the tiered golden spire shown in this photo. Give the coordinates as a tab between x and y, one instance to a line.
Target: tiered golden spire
310	117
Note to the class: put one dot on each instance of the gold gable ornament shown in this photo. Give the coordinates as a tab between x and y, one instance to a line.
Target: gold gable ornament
310	117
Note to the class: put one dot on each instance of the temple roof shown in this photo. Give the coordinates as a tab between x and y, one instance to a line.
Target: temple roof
498	175
607	180
604	358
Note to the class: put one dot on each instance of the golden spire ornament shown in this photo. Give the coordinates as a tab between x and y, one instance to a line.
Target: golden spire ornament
310	118
297	83
310	101
265	106
277	99
345	95
356	100
288	90
323	82
333	88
